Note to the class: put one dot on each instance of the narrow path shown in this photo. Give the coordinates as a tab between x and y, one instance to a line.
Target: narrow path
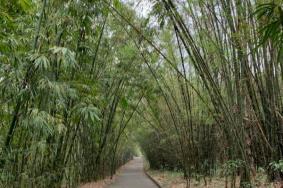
132	176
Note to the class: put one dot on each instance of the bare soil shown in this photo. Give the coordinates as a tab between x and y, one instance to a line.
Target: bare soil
175	180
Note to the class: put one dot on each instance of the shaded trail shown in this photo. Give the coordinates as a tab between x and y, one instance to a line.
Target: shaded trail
133	176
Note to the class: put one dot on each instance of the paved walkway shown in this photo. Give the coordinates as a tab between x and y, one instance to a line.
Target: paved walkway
132	176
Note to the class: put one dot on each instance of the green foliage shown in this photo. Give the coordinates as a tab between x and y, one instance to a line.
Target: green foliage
117	4
83	82
41	62
272	16
159	152
66	56
39	121
59	105
26	5
277	166
231	167
88	113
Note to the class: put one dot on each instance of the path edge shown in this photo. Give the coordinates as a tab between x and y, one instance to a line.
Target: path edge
152	179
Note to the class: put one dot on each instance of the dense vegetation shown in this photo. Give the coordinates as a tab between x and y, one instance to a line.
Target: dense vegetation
196	84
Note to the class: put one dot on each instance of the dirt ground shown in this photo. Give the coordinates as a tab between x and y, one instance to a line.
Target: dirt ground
98	184
175	180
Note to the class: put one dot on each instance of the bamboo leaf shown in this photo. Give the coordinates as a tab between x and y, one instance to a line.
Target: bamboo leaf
66	56
42	63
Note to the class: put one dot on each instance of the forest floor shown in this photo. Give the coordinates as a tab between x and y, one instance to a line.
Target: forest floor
100	184
168	179
103	183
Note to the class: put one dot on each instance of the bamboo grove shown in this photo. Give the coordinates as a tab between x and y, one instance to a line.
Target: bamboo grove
196	84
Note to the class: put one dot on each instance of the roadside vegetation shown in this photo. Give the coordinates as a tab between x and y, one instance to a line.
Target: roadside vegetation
196	85
175	179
